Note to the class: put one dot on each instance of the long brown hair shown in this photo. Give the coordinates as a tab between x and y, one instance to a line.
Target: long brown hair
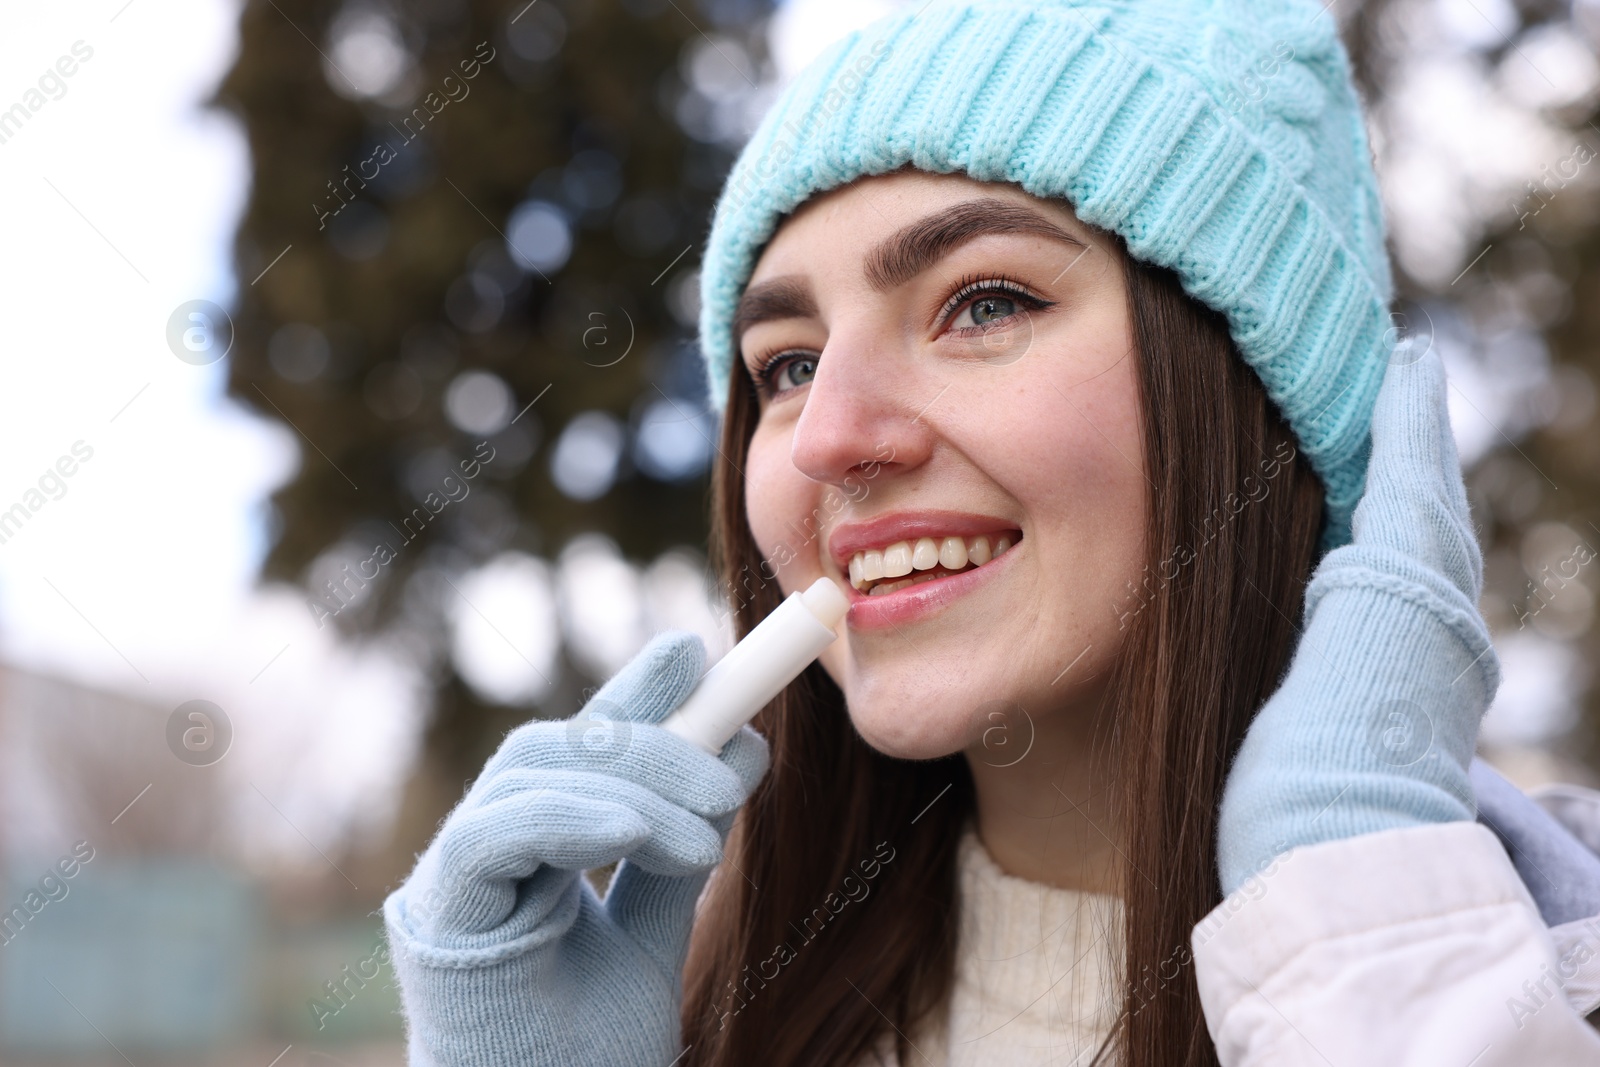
784	970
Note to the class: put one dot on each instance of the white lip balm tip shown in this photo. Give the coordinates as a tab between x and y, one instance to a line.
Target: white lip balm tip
826	602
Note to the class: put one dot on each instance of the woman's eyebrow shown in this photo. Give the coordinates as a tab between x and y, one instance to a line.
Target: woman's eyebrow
914	248
780	298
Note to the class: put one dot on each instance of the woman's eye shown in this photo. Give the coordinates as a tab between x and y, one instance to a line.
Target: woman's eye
986	310
792	373
980	305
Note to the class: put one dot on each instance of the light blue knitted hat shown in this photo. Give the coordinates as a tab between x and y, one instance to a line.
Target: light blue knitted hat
1220	138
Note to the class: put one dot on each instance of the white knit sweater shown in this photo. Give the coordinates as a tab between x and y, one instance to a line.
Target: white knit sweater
1034	975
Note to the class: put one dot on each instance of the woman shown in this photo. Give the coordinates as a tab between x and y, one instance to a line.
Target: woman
1056	339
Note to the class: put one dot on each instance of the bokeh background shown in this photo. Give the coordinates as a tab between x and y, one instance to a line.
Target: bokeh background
286	281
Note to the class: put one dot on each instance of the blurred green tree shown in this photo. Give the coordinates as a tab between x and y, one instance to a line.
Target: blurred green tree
469	223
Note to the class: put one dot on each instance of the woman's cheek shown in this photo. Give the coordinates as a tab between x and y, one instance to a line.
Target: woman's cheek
1078	474
780	510
1105	500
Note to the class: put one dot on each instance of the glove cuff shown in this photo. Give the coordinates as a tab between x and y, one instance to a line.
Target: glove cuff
1401	577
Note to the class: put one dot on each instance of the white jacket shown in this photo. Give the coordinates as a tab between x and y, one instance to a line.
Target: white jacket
1430	946
1419	947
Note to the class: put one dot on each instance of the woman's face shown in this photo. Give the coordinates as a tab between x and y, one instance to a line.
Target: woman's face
950	430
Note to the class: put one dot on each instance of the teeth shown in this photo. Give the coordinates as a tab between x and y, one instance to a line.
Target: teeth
892	567
872	565
953	554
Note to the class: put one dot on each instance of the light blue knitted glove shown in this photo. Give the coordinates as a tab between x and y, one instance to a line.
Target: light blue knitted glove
1376	720
506	956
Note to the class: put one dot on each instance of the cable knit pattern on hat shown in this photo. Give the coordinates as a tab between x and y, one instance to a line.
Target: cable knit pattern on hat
1221	139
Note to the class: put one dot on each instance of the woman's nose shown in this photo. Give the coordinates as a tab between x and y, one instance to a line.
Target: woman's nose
862	407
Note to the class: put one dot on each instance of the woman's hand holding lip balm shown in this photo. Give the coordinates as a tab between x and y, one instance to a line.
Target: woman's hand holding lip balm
770	657
496	904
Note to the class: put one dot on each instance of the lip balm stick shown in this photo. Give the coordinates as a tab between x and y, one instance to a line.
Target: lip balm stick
754	671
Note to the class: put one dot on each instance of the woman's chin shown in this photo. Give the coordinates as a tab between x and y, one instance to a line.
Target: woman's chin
908	732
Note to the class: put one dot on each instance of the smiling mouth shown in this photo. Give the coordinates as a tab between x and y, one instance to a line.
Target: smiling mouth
906	563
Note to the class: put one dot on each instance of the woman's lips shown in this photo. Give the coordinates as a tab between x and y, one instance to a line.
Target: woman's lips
922	599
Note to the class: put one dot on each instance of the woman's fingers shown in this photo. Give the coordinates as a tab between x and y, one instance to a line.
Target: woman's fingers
658	911
655	910
647	689
645	755
748	756
573	820
654	682
1415	502
466	883
604	786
